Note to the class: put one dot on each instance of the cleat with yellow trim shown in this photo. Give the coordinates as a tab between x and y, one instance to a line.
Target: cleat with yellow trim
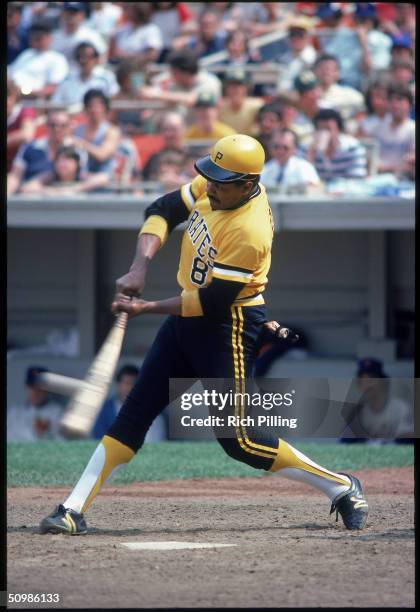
64	521
351	505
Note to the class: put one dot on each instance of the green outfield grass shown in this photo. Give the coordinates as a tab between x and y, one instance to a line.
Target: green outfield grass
61	463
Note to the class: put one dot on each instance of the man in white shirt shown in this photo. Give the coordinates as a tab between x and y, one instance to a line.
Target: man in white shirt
347	100
286	171
38	70
88	75
73	31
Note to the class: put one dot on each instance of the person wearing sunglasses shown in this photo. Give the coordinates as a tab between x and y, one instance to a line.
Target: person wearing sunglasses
286	171
89	74
37	157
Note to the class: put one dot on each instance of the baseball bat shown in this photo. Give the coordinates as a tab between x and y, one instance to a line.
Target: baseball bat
87	401
56	383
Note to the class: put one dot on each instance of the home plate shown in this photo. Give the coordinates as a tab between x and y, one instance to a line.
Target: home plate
171	545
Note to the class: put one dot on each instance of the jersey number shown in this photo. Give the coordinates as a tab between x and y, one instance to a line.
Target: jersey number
199	271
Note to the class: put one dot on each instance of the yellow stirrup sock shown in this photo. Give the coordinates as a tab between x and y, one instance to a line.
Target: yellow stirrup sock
109	455
293	464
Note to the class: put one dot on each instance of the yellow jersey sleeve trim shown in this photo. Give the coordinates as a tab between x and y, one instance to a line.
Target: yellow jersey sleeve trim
156	225
191	305
232	275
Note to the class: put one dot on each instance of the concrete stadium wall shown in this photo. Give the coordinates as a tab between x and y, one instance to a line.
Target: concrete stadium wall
318	281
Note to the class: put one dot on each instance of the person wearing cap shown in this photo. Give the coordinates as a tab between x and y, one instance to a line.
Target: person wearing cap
207	125
309	93
212	330
381	412
38	70
338	39
73	31
402	48
40	418
237	108
375	45
300	53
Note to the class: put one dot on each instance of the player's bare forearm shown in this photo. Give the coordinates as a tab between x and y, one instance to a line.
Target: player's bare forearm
132	283
134	307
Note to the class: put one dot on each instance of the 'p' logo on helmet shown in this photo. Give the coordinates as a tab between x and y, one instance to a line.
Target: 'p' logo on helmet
219	155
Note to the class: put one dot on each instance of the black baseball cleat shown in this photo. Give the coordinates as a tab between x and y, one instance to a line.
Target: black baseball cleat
64	521
351	505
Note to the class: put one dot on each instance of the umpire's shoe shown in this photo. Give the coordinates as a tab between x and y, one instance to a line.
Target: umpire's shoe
63	521
351	505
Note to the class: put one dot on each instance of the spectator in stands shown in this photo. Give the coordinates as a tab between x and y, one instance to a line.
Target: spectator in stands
125	380
287	103
74	30
269	118
37	157
402	49
17	35
169	171
403	22
184	82
376	102
38	70
239	52
380	413
98	137
172	129
262	17
300	53
402	73
21	122
238	109
347	100
130	120
67	176
207	125
374	44
170	18
286	171
104	18
309	95
139	39
333	153
40	418
44	11
211	36
89	74
342	42
395	133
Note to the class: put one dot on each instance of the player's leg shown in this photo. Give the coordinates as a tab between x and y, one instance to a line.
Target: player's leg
267	451
149	396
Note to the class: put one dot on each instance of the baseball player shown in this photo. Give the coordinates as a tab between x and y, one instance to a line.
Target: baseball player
212	330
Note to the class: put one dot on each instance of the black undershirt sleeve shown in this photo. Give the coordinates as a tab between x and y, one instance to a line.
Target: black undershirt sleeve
217	298
171	207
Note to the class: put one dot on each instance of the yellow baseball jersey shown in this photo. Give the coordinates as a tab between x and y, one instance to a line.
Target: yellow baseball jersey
232	245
